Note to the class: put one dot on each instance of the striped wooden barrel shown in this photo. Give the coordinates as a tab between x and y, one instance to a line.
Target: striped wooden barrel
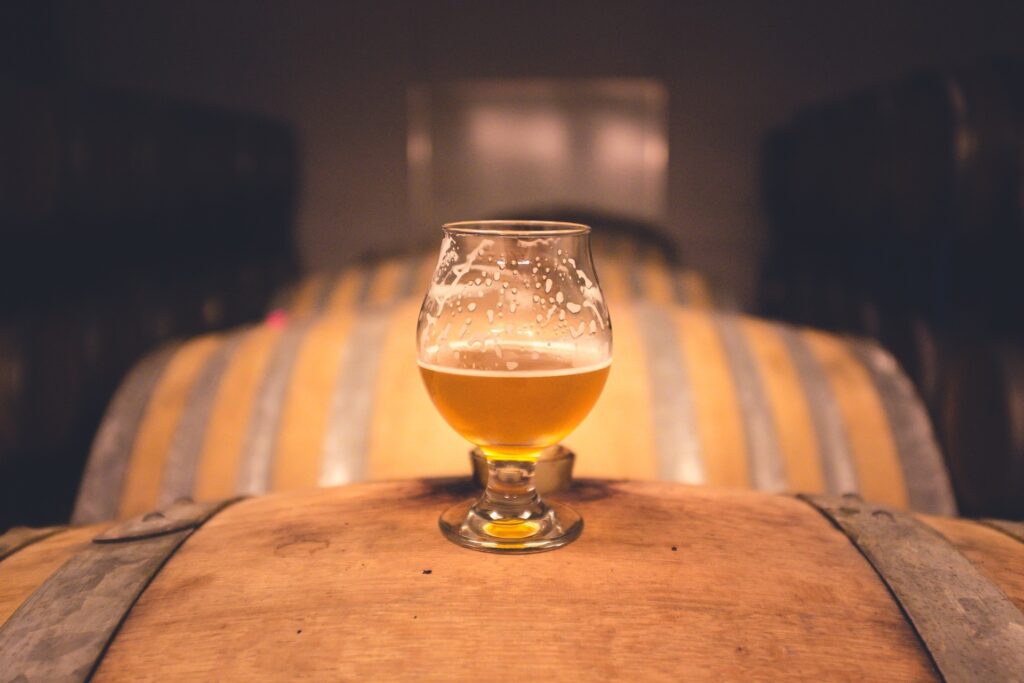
667	582
693	396
627	270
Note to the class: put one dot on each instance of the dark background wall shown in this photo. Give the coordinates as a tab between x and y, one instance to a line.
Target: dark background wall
338	71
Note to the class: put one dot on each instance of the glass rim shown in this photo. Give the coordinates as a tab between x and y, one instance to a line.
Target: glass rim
516	228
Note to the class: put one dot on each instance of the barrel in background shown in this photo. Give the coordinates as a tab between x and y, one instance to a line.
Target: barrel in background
326	398
127	220
898	212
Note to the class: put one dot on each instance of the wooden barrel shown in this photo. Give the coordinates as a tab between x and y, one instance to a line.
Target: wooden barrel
980	417
627	269
935	153
693	396
667	582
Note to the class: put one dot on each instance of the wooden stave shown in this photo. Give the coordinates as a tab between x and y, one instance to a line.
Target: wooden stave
642	271
973	388
174	614
273	424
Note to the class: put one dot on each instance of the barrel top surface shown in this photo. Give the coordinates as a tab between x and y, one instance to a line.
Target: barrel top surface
356	582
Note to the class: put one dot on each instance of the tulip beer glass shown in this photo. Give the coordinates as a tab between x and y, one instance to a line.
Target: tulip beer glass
514	346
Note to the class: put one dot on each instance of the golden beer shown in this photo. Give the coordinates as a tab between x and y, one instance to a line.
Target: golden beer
515	414
514	344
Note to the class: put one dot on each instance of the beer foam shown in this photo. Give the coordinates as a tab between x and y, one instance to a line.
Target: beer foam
513	372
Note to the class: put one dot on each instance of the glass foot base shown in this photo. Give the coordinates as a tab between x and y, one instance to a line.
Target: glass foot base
467	525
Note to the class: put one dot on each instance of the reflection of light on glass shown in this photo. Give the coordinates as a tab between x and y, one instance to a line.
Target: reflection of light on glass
519	135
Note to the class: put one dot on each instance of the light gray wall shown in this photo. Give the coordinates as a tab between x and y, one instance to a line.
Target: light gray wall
338	71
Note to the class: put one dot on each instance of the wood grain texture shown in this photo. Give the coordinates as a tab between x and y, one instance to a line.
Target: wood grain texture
971	629
16	538
25	570
998	556
60	632
667	583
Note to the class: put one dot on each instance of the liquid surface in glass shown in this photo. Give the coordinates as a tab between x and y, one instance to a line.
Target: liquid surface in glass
520	412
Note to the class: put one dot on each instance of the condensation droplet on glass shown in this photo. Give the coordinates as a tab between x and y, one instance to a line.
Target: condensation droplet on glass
512	307
515	291
477	282
471	307
573	307
561	315
548	284
511	365
540	317
490	316
559	297
535	270
504	285
487	282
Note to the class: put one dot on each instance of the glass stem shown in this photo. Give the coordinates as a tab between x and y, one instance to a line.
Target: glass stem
511	494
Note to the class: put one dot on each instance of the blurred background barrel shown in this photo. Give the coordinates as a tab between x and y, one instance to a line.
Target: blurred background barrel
326	391
980	416
127	220
897	212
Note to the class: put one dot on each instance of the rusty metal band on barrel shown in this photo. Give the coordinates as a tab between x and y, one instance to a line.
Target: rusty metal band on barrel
63	629
970	628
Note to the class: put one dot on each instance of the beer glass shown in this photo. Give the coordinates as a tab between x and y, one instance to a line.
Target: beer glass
515	345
